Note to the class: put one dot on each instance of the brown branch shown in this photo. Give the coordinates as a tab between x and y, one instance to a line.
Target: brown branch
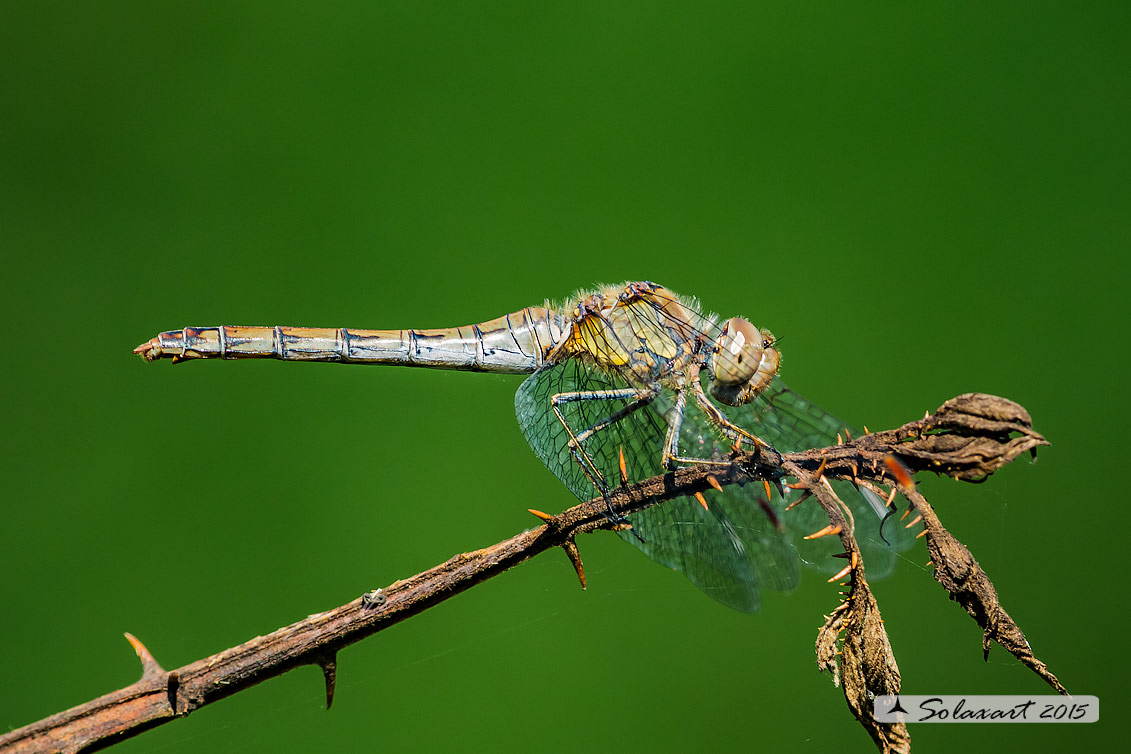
869	666
968	438
969	586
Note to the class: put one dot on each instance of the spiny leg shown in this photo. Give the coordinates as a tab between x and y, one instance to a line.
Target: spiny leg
721	422
718	419
639	399
575	439
671	455
736	433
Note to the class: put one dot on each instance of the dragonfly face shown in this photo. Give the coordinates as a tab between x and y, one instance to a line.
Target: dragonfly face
743	361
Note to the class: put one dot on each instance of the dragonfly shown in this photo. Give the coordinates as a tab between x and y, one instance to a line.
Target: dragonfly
627	382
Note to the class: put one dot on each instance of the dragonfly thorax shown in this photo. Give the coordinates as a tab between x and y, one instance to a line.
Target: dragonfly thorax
642	332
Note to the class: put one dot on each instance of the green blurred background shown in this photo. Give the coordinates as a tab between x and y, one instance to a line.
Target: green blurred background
922	200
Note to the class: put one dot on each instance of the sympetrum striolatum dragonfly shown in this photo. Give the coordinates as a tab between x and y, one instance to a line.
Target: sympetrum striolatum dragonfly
635	371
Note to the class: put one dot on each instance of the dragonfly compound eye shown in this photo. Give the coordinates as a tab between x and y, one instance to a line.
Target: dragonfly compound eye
738	352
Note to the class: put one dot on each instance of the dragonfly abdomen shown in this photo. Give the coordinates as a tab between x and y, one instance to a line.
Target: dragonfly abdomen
516	343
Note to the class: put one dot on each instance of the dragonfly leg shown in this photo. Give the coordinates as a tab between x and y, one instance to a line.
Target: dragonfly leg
719	419
671	456
638	398
675	424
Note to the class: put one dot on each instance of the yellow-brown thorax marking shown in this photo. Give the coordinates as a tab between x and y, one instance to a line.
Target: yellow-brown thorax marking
642	333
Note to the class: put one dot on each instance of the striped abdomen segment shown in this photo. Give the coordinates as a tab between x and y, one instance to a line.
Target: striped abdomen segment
516	343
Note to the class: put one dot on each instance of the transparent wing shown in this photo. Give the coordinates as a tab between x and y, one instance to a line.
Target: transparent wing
729	551
789	422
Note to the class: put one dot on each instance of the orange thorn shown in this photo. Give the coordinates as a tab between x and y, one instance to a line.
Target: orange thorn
922	533
149	666
847	434
844	572
820	472
737	446
766	485
866	429
899	471
623	469
913	521
702	500
544	516
891	498
714	482
830	529
926	414
905	513
855	558
839	441
571	550
804	496
797	486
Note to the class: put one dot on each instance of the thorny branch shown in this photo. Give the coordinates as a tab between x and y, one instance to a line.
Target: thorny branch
967	438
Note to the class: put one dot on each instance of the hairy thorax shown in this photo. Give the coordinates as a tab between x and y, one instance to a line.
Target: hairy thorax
639	330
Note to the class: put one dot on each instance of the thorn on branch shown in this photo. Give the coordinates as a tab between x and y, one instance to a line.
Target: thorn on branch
574	554
891	498
149	666
830	529
820	472
805	493
329	665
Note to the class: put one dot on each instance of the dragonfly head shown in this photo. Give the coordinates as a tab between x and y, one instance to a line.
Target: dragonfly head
743	362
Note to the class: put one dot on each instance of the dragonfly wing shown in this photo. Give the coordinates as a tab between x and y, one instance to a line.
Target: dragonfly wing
789	422
640	434
729	551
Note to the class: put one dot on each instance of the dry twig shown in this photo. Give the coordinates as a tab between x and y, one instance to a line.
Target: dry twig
968	438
